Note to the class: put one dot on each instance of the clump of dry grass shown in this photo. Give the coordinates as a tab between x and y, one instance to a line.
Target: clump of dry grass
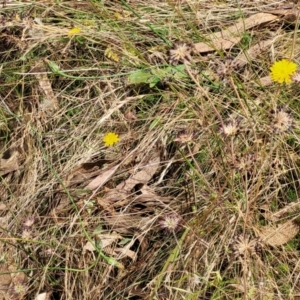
203	148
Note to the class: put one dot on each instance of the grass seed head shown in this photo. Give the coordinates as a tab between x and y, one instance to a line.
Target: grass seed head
170	222
244	245
181	52
18	290
28	223
26	234
246	162
225	67
282	120
230	128
184	137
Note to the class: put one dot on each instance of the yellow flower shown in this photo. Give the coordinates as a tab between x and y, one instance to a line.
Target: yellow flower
110	139
282	71
74	31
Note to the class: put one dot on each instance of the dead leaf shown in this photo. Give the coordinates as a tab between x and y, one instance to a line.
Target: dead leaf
150	201
121	251
265	81
288	12
43	296
10	164
291	208
277	236
88	247
104	239
130	115
146	196
143	176
102	178
3	207
50	102
123	190
108	239
227	38
19	277
60	204
5	278
113	196
126	223
284	11
220	44
84	172
250	54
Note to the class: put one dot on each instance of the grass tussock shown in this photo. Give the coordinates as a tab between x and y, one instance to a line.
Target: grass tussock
149	150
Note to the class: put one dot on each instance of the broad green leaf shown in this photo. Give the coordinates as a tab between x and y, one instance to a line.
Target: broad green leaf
153	81
139	76
152	77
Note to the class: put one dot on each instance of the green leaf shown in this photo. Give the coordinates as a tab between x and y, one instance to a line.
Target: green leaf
124	241
139	76
54	67
152	77
176	72
153	81
97	230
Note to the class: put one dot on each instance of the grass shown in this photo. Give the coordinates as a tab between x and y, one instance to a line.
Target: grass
198	199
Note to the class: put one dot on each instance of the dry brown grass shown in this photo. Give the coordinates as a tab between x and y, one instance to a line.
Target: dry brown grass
208	147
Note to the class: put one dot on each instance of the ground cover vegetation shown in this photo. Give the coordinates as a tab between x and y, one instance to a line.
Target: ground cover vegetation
149	149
